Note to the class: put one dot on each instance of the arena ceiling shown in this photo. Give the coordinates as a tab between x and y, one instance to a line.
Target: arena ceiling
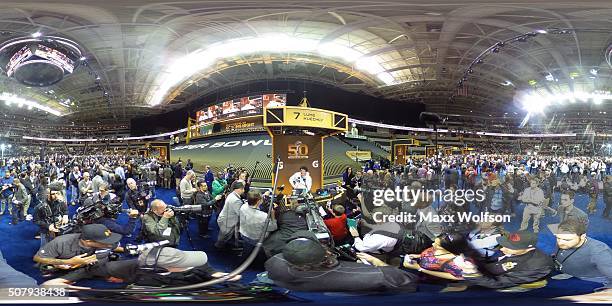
147	57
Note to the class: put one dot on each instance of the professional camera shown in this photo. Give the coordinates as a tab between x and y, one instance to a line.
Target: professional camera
346	252
88	213
185	209
309	208
145	190
137	249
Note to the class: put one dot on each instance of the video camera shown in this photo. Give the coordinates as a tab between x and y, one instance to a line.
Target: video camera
309	208
185	209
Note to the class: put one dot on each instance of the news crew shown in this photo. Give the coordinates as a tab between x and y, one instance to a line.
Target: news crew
301	180
159	223
82	255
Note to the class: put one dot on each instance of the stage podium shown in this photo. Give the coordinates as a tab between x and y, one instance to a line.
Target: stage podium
297	138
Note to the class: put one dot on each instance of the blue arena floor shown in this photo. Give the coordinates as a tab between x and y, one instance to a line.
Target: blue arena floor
18	246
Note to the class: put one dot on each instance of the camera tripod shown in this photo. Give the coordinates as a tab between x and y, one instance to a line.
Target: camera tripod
183	220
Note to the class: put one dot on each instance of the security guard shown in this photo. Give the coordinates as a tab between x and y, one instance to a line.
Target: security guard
522	267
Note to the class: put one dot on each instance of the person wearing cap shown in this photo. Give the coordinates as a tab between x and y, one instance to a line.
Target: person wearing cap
581	256
522	266
533	198
567	210
82	255
166	266
159	223
50	214
306	265
229	217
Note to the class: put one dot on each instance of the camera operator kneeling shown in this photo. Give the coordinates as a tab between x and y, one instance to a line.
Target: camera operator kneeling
306	265
165	266
83	255
159	223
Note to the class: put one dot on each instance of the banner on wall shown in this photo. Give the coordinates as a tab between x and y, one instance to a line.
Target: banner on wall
298	151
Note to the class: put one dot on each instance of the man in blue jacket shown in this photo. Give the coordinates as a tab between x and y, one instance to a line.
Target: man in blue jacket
6	193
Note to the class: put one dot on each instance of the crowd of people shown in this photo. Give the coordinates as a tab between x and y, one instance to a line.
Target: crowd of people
397	255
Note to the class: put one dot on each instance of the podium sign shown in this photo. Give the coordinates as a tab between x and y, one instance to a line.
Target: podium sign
295	152
305	117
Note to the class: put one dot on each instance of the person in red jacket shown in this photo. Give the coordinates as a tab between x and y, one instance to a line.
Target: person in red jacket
337	224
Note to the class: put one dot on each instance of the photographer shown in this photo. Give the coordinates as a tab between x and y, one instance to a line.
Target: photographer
81	256
20	199
50	214
204	198
159	223
136	199
230	215
253	221
306	265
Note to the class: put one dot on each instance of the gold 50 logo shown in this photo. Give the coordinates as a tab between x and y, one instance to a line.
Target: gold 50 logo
298	150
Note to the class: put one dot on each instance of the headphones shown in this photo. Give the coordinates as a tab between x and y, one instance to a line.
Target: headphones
154	253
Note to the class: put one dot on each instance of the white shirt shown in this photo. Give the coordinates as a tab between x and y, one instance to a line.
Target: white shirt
252	222
374	243
299	182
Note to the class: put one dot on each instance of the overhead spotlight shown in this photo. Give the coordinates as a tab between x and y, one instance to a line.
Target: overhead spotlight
36	34
470	70
542	31
479	61
97	77
83	58
593	71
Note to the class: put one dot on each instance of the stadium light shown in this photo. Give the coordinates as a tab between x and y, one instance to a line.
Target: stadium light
10	98
181	69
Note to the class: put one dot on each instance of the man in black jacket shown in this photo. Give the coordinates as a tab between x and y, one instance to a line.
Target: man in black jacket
204	198
306	265
522	267
50	214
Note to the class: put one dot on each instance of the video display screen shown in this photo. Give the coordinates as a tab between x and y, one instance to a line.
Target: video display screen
41	52
240	107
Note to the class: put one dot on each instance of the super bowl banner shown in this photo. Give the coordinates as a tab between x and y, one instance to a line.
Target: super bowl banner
295	152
